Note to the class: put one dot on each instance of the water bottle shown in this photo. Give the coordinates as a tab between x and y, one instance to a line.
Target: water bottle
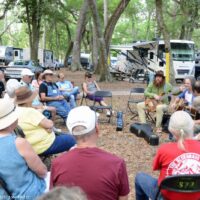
120	123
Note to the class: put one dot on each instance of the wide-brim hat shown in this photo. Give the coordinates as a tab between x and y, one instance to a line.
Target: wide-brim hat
24	95
8	114
160	73
47	71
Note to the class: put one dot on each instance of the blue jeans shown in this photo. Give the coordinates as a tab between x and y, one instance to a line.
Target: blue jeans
145	187
72	96
62	108
62	142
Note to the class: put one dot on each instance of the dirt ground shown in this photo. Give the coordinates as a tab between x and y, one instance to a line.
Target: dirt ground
137	154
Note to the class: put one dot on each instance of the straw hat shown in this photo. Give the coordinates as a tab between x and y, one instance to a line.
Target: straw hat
24	95
8	114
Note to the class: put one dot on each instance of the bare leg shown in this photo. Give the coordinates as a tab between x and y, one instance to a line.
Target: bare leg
53	112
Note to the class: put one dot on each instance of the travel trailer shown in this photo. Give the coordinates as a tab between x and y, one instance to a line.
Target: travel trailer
6	55
45	57
150	56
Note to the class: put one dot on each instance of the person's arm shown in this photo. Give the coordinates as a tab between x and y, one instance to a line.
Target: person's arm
157	160
85	90
36	118
98	88
123	182
46	123
32	159
148	91
43	91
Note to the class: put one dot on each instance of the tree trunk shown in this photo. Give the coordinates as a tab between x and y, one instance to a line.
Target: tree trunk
69	49
113	21
70	45
163	29
33	16
182	34
95	47
77	42
105	15
102	65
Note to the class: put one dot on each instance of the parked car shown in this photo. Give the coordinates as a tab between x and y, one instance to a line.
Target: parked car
14	68
84	60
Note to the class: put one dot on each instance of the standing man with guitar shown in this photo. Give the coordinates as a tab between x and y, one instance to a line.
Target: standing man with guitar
155	101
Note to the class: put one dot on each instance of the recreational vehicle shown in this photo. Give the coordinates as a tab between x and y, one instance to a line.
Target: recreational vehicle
45	57
6	55
150	56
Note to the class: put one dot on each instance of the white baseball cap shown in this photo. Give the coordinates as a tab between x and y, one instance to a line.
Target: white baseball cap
81	116
27	72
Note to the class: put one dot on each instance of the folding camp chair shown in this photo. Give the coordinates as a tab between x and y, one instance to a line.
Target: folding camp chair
104	95
181	184
132	101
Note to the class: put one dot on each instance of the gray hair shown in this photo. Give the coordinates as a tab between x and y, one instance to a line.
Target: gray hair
11	86
181	125
64	193
85	136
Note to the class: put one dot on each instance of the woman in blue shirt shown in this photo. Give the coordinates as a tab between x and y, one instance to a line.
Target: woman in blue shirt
20	168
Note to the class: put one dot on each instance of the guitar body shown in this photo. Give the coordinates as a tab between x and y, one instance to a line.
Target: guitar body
151	104
192	111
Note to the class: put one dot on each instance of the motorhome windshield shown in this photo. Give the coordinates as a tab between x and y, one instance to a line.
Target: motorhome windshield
180	51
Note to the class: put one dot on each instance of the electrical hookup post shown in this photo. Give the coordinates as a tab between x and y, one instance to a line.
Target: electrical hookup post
167	65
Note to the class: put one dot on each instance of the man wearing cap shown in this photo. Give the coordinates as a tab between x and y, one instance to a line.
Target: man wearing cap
50	94
26	78
100	174
154	91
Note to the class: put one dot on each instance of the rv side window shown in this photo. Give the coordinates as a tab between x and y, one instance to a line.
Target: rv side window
16	53
161	50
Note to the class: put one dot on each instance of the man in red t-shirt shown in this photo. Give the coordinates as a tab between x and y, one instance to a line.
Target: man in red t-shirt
100	174
182	157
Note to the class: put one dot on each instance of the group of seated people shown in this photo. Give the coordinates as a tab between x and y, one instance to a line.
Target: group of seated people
98	173
157	93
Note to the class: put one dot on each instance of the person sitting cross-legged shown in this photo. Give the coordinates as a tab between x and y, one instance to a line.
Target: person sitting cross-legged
98	173
50	94
67	90
174	158
37	128
20	167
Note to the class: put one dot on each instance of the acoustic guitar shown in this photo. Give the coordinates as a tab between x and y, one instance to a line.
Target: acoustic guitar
152	103
180	105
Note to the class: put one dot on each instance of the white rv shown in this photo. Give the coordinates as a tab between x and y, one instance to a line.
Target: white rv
6	55
183	56
45	57
150	56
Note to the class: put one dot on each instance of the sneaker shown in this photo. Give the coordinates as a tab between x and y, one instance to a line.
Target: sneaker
108	113
57	130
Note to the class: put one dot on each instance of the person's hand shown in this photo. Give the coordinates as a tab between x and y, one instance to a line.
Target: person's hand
197	137
181	88
49	130
157	97
60	97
